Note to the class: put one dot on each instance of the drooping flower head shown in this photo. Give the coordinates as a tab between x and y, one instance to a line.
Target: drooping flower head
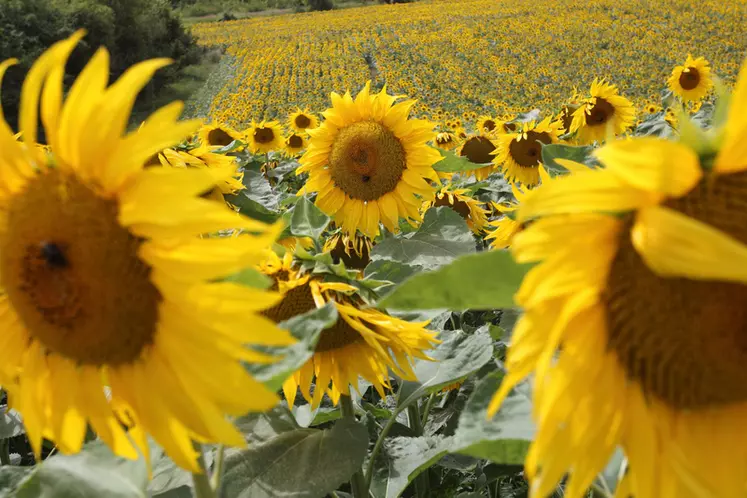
106	281
635	317
353	251
369	162
460	200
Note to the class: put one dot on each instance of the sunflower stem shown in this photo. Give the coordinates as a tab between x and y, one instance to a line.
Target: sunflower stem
201	481
380	442
218	470
5	452
421	481
357	483
427	409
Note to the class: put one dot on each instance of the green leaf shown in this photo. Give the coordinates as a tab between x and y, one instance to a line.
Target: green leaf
94	472
251	208
11	476
304	463
403	459
11	424
259	428
307	328
456	358
308	220
441	238
482	281
551	152
250	277
452	163
235	144
503	438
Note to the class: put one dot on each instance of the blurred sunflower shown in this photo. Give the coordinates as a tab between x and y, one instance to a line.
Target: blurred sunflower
265	137
354	252
459	200
369	162
290	243
605	114
486	124
520	155
294	144
302	120
652	108
639	343
106	282
446	140
364	342
479	149
692	80
217	135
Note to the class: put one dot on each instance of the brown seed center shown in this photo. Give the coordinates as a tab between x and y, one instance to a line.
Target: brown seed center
302	121
295	142
528	152
367	160
73	274
600	113
684	341
689	79
264	135
461	207
489	125
478	150
219	137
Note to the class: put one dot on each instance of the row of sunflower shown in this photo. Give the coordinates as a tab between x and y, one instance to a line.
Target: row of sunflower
141	308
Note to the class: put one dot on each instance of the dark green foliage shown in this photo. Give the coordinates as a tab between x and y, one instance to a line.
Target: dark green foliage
321	5
132	31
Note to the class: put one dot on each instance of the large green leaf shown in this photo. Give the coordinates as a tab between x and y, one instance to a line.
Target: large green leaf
95	472
443	236
306	328
11	476
11	424
503	438
457	357
403	459
259	428
308	220
486	280
452	163
551	152
304	463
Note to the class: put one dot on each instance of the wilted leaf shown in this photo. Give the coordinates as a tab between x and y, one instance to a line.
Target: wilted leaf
304	463
482	281
502	439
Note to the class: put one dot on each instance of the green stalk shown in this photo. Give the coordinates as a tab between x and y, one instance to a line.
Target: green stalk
377	448
421	481
218	470
427	409
201	480
357	483
5	452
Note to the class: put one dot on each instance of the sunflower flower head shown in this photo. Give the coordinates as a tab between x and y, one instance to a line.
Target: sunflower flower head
369	163
353	251
460	201
295	143
363	342
446	140
217	135
638	343
264	137
479	149
692	80
520	154
301	121
605	114
107	282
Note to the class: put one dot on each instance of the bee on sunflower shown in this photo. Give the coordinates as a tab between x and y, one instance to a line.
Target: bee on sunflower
107	283
264	137
479	149
638	343
301	121
369	163
605	114
691	81
363	342
519	155
217	135
459	200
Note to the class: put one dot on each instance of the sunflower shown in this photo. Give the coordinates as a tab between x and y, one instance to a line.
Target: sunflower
606	113
652	108
217	135
638	343
459	200
201	157
520	154
302	120
692	80
479	149
487	124
294	144
264	137
354	252
446	140
290	243
368	162
105	281
363	342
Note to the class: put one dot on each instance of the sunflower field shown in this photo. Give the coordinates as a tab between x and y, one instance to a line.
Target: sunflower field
470	249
